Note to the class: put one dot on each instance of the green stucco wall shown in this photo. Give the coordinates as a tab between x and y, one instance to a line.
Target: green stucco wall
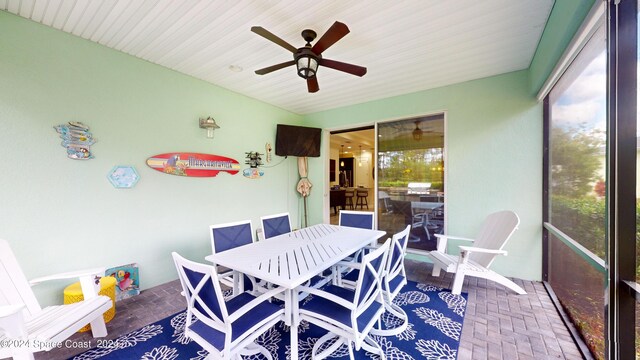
60	214
493	157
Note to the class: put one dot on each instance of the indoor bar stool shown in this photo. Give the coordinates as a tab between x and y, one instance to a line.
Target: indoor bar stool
349	194
361	198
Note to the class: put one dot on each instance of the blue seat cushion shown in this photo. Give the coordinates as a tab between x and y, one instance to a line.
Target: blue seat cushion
254	316
330	309
317	279
352	275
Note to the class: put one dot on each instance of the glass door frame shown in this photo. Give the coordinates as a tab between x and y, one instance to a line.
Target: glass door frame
326	133
444	156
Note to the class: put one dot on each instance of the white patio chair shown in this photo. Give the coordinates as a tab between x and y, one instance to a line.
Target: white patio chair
229	236
475	260
21	317
226	329
356	219
394	279
349	314
274	225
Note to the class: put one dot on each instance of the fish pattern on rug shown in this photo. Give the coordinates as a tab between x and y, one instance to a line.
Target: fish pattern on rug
434	329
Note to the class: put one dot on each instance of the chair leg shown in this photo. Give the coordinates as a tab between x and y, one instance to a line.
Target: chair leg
351	357
253	349
330	349
458	279
371	346
396	311
506	283
98	327
436	270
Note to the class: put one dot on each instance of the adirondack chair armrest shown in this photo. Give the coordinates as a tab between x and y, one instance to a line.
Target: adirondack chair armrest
470	249
69	275
12	321
443	239
8	310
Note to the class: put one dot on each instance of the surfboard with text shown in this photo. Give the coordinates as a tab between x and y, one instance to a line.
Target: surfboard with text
193	164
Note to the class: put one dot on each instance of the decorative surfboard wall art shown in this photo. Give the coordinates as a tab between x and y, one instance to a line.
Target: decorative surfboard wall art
193	164
77	139
254	160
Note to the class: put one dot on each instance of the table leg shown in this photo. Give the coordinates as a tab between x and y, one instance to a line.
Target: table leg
287	307
294	323
238	283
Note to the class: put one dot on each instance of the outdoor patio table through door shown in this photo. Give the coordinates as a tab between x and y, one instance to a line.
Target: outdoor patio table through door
289	260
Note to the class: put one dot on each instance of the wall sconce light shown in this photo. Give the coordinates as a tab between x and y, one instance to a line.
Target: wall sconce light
210	124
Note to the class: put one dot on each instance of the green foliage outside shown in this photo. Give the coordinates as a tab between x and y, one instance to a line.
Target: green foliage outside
576	158
435	185
578	209
398	168
583	219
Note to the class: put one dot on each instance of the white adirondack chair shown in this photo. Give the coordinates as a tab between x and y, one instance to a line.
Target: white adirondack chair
475	260
27	327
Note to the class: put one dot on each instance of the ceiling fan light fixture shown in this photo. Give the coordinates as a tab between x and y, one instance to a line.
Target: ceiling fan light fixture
417	132
306	63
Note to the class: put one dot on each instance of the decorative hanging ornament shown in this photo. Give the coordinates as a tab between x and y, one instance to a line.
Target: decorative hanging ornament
254	160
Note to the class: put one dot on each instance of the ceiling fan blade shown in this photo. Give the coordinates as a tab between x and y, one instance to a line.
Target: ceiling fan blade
275	67
273	38
348	68
336	32
312	84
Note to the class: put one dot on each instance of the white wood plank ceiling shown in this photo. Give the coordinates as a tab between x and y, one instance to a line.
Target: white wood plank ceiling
407	46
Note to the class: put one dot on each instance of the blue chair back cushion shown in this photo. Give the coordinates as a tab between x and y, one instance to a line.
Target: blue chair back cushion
232	236
368	278
362	221
396	258
397	282
276	226
207	293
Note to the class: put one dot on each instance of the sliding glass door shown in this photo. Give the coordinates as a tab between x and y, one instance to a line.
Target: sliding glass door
411	183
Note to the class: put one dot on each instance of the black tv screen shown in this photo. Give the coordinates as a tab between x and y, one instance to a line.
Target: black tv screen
297	141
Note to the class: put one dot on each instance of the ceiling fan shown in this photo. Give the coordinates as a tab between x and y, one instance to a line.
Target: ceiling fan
308	58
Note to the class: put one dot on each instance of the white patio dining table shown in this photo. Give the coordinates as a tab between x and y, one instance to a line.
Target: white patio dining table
290	260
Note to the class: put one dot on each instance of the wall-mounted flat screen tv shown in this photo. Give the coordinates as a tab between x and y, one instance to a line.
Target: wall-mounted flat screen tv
297	141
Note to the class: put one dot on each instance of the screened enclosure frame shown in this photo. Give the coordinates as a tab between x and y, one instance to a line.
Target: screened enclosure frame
620	289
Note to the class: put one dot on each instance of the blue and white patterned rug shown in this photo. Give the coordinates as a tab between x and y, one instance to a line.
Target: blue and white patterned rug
435	326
